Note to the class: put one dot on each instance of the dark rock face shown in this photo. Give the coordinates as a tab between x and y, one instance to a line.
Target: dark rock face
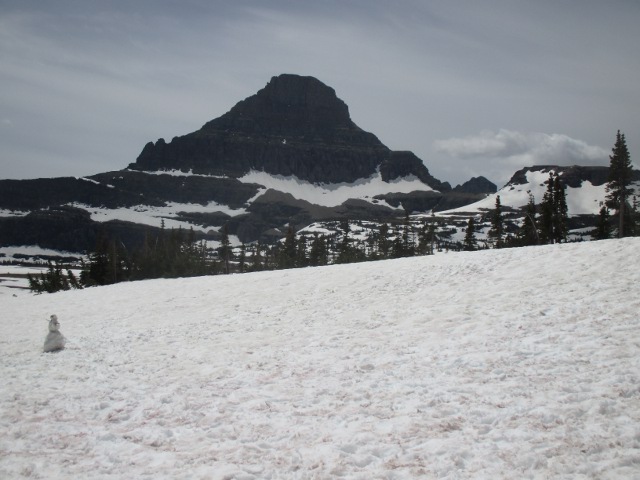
572	176
477	185
39	193
72	229
293	126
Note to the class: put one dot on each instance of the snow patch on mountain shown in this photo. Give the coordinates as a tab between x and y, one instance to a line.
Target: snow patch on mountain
154	216
12	213
175	173
332	195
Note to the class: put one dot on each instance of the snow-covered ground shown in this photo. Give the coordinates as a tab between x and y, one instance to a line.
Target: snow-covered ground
500	364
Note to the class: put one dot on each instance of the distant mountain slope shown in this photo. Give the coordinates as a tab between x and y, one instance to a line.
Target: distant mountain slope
585	189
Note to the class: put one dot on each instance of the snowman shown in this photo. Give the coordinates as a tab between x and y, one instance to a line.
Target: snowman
55	340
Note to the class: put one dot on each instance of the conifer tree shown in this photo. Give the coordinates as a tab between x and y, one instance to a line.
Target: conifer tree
432	232
225	249
547	211
397	250
257	258
603	227
345	252
318	253
618	187
383	241
560	211
470	243
301	253
497	225
287	254
408	249
635	217
242	260
97	270
529	231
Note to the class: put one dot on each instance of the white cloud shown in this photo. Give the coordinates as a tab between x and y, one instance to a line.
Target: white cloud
499	154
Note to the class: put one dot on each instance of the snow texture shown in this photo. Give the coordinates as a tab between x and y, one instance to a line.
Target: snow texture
332	195
501	364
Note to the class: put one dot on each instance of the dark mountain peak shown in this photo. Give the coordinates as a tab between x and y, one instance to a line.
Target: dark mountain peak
289	107
294	126
477	185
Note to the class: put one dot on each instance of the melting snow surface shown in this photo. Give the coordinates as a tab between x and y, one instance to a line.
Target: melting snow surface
500	364
331	195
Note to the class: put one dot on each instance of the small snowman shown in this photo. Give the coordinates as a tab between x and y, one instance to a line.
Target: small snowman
55	340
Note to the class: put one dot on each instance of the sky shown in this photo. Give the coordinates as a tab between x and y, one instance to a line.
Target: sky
472	88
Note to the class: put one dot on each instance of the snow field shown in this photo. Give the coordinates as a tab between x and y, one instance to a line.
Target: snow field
520	363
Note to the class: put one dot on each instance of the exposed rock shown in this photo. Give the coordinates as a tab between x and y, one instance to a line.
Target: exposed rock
294	126
478	185
572	176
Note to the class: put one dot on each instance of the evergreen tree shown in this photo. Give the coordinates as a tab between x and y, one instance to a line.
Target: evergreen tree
97	270
53	280
529	231
224	251
73	280
397	250
345	251
432	232
408	249
243	258
318	253
635	216
383	241
603	227
560	211
497	225
470	243
547	213
287	254
301	253
257	258
618	188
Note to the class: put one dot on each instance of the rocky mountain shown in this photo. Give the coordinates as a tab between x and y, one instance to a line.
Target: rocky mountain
288	155
294	126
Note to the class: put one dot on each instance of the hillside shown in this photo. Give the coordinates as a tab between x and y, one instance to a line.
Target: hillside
502	364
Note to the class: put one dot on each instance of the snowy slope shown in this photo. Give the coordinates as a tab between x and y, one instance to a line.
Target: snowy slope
500	364
584	200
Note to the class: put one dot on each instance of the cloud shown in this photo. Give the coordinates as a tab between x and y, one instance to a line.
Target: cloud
499	154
